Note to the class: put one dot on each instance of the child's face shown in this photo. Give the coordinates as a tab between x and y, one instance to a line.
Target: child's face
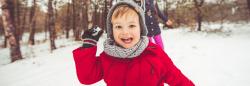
126	30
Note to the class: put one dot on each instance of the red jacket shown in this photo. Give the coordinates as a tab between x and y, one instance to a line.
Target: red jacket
152	68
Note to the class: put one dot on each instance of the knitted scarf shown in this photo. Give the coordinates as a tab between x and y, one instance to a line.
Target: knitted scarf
115	50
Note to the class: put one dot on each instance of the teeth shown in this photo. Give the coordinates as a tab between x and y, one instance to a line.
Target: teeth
128	40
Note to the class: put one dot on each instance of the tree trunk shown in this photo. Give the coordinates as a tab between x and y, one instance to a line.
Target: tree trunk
198	4
32	21
74	18
105	13
79	17
85	17
76	21
95	15
46	26
10	30
51	25
199	20
90	11
55	10
5	38
223	15
67	28
23	25
17	19
248	4
5	42
100	20
32	32
2	31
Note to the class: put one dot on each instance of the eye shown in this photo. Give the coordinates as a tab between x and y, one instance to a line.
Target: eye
132	26
118	27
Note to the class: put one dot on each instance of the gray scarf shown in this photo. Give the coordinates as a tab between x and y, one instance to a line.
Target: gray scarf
115	50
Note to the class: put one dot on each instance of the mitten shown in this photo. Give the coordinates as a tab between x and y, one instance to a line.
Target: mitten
169	24
91	36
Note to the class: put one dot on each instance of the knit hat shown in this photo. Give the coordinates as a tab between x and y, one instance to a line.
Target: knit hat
134	6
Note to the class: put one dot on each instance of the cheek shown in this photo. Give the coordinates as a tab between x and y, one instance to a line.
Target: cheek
136	35
115	35
137	32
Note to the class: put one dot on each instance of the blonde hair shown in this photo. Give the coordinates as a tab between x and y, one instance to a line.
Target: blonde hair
123	11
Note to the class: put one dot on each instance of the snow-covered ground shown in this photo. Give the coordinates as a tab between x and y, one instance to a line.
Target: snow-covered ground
207	58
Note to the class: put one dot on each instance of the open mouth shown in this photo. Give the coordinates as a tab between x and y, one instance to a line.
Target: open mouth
127	40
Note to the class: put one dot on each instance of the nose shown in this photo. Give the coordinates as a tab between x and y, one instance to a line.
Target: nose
125	31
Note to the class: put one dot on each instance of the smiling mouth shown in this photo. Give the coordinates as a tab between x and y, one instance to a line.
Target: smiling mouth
127	40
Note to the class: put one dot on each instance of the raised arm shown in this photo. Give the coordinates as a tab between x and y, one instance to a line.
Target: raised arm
159	13
88	65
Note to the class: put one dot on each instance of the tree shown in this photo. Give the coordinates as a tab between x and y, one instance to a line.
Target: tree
95	13
2	32
79	15
248	4
5	42
74	19
179	11
90	11
101	13
198	4
67	28
24	11
17	18
222	11
10	30
32	22
105	13
51	25
84	17
74	15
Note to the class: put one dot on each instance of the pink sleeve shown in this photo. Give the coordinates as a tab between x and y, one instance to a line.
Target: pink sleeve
88	66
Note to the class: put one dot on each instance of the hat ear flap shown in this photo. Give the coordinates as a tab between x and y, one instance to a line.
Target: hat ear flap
141	26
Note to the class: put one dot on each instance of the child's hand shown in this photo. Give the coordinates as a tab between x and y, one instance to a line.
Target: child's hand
91	36
169	24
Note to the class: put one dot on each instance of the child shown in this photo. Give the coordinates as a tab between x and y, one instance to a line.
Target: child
129	59
152	12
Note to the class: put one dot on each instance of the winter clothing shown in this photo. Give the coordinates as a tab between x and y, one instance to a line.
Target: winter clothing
152	67
151	13
151	19
158	40
91	36
145	64
120	52
134	6
110	46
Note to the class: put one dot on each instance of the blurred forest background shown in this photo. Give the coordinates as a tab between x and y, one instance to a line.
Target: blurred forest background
69	18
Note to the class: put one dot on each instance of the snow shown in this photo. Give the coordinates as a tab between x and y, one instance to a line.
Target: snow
212	59
207	58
